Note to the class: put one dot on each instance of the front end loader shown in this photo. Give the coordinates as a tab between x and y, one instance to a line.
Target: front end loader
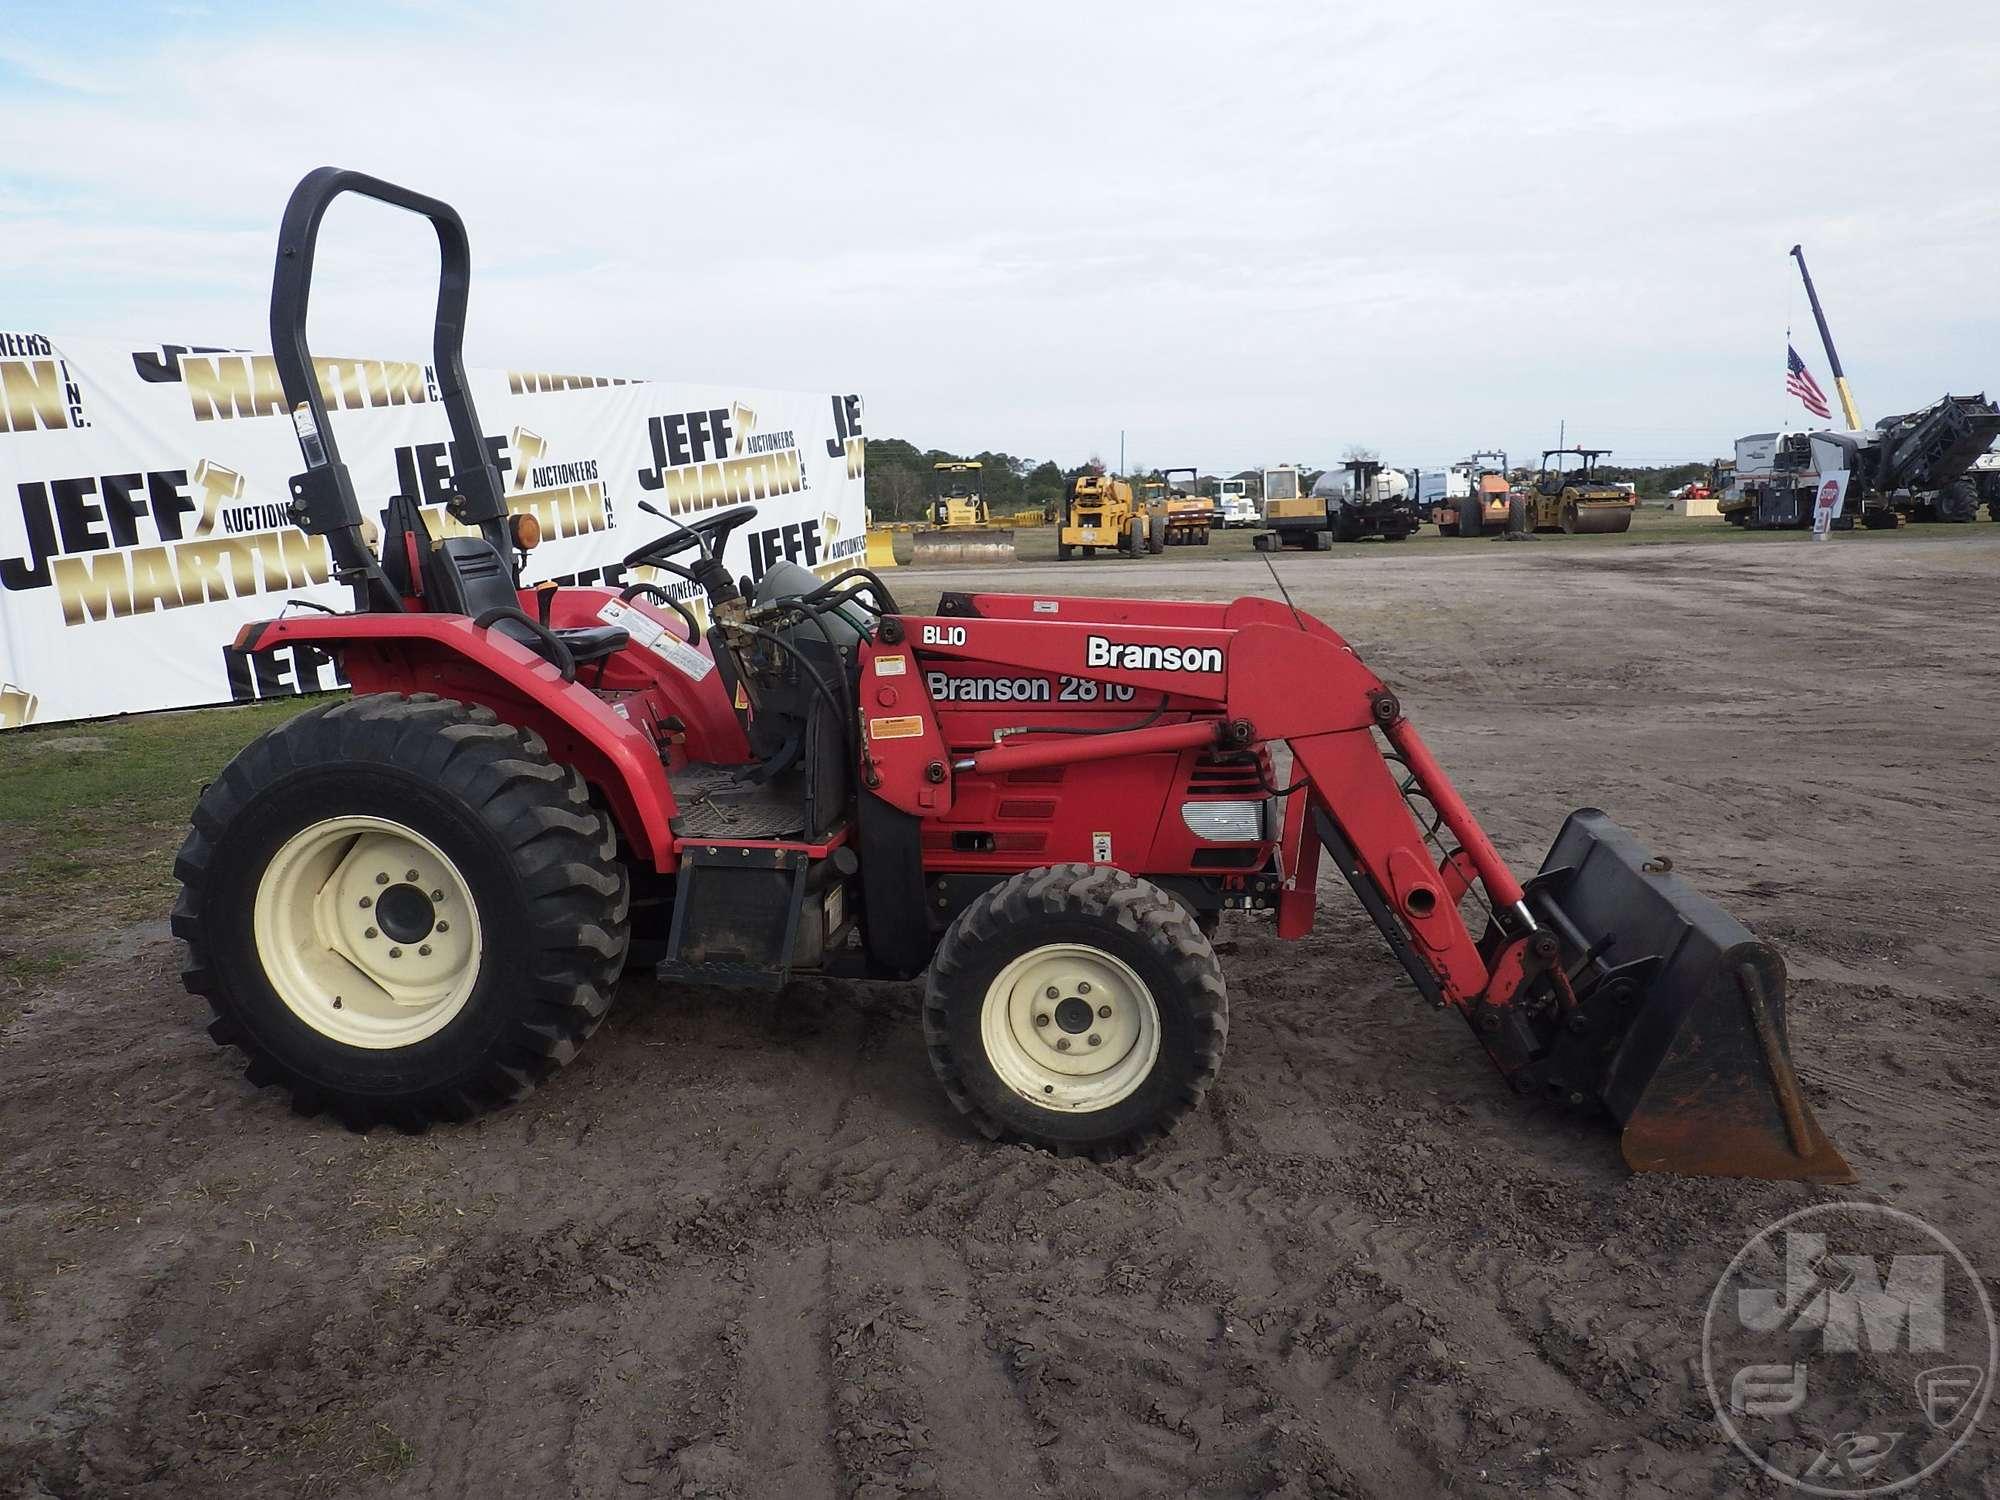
1101	510
415	903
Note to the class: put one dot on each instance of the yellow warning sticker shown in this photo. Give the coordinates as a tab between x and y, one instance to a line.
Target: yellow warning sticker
902	727
891	666
742	698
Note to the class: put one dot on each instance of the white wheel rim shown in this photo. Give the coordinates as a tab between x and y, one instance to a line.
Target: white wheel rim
367	932
1041	1014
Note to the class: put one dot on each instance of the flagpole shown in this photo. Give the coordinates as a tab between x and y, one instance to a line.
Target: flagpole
1832	358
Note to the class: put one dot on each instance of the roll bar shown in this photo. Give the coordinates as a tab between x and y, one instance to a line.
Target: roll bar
323	499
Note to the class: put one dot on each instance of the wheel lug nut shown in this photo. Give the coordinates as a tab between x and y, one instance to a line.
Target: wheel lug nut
1062	1044
367	900
437	895
395	953
369	933
1052	992
1083	988
1048	1088
409	875
1103	1012
444	927
1042	1019
336	1002
1096	1040
425	951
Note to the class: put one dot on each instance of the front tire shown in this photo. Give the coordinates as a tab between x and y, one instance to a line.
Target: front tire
1128	1043
383	998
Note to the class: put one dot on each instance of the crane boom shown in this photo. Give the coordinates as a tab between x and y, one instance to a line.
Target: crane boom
1832	357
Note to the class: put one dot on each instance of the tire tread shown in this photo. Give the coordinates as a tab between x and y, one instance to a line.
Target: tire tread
564	855
1103	893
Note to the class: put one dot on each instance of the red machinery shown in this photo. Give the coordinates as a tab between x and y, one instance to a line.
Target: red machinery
414	904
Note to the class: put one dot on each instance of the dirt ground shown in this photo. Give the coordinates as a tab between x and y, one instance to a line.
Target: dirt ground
743	1246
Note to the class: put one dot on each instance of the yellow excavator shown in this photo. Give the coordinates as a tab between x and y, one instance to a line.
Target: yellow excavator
1571	498
1099	511
961	529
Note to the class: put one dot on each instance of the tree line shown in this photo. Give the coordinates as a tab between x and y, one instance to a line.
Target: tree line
899	479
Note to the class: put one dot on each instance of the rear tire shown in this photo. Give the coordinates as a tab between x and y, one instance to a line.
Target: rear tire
407	1020
1105	941
1062	551
1958	503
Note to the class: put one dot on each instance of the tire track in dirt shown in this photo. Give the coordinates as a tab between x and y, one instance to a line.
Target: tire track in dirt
784	1396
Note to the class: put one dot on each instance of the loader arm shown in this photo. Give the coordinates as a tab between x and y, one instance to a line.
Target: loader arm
1604	983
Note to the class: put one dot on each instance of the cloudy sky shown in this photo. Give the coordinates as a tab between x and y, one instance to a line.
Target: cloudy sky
1242	232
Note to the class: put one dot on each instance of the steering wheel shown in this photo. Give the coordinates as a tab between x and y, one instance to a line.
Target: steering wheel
709	533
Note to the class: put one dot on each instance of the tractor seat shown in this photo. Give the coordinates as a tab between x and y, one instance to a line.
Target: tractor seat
467	576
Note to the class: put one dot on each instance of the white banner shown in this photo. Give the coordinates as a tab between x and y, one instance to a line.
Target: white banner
1827	502
143	496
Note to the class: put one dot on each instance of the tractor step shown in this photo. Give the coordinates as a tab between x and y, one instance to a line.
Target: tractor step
736	916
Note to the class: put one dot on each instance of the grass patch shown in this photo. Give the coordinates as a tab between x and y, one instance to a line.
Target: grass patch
90	817
45	963
389	1453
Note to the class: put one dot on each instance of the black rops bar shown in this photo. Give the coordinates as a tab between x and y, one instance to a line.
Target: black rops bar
323	499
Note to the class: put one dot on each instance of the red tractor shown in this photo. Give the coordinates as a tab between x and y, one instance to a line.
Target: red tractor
415	903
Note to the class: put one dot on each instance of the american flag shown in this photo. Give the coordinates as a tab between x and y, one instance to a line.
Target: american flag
1799	381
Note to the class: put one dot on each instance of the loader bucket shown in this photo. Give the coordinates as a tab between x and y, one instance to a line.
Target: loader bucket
960	545
1679	1027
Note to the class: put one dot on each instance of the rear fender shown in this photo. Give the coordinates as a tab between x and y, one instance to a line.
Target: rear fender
450	656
